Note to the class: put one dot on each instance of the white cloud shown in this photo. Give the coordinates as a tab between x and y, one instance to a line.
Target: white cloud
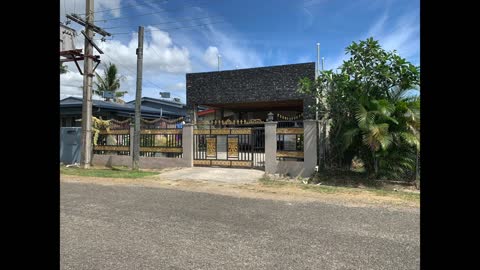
211	56
177	86
402	35
159	53
78	7
378	26
71	83
232	54
168	55
405	37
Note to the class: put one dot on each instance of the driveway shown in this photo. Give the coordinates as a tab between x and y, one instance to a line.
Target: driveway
227	175
135	227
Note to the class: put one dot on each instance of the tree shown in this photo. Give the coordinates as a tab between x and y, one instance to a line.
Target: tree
110	82
371	115
63	69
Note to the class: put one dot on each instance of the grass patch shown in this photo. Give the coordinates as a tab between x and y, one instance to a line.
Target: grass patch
115	172
407	196
332	189
266	181
328	189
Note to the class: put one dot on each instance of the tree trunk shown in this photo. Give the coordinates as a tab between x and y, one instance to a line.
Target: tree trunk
417	169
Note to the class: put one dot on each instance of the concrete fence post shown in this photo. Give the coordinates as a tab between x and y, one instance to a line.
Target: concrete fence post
271	162
309	146
187	143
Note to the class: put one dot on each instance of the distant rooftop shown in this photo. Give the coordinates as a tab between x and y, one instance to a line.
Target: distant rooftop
160	101
130	106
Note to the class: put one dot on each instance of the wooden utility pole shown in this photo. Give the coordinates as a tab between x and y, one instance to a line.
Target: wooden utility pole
88	70
86	153
138	100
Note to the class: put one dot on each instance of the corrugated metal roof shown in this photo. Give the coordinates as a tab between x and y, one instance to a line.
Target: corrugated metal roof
161	101
77	102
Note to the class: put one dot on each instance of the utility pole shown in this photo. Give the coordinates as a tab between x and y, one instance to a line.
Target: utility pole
86	153
317	73
88	70
319	138
323	62
138	101
218	59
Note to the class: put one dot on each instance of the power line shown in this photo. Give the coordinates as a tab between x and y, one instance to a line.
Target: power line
134	74
161	23
167	29
69	85
110	9
64	7
145	14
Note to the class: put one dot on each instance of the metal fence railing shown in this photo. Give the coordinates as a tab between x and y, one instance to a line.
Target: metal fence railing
290	143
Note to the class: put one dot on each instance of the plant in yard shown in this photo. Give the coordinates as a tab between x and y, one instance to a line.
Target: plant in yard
97	125
371	115
63	69
110	82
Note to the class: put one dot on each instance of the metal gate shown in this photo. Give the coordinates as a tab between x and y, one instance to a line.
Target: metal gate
230	147
70	144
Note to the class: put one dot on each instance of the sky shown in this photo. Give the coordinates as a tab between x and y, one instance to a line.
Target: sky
186	36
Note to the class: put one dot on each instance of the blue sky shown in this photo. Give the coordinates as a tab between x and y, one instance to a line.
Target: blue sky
183	36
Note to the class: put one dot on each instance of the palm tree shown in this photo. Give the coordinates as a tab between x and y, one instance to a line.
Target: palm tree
109	83
390	130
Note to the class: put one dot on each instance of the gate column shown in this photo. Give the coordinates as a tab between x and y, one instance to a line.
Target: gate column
271	147
309	147
187	143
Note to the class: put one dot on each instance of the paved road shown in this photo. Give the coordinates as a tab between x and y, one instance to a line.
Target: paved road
122	227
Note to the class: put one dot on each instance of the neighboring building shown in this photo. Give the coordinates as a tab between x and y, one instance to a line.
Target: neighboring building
168	108
245	94
71	110
206	115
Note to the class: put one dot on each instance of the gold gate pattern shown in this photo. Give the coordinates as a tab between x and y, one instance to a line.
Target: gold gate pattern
207	143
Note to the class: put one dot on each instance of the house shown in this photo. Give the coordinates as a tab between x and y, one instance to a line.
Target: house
206	115
165	108
71	110
246	94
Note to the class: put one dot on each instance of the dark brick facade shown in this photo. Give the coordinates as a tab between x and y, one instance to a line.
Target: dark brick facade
265	84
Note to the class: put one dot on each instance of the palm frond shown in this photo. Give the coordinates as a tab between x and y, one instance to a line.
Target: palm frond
349	136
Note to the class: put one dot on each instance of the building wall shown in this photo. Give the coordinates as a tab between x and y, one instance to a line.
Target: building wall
144	162
274	83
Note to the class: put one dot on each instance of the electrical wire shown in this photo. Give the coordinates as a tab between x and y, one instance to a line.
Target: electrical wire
161	23
167	29
133	73
110	9
145	14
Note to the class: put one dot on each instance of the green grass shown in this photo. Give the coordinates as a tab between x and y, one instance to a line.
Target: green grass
116	172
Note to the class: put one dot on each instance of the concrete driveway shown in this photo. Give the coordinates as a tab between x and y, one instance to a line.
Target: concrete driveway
227	175
135	227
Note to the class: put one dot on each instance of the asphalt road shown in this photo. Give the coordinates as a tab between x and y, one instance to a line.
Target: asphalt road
122	227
